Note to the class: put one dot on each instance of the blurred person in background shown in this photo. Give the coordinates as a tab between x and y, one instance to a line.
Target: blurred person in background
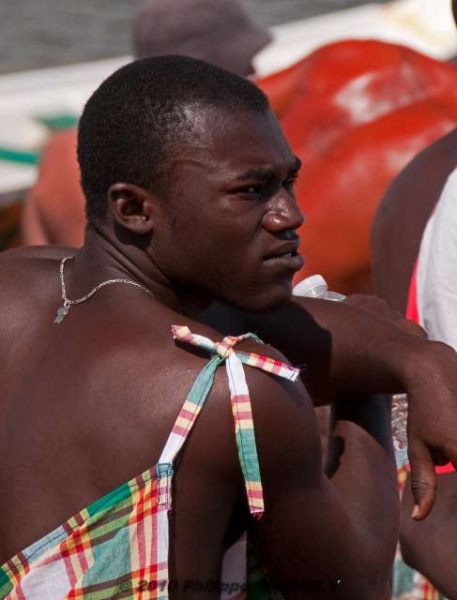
414	250
221	32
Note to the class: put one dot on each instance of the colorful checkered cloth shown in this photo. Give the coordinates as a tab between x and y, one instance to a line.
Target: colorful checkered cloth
118	546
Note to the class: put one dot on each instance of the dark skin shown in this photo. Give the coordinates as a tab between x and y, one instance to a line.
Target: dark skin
371	343
429	547
402	216
113	386
102	354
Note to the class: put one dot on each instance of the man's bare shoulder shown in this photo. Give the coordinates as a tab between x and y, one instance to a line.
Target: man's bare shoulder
261	375
279	403
282	415
286	431
27	254
29	280
247	343
22	268
29	263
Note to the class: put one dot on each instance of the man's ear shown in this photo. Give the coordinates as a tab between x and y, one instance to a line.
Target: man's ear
132	207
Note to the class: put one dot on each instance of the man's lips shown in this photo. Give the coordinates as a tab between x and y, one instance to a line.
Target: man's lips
289	248
285	256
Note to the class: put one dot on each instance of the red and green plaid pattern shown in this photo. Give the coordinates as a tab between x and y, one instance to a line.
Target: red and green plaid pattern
241	402
118	546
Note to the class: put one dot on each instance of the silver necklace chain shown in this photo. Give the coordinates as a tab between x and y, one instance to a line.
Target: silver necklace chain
63	310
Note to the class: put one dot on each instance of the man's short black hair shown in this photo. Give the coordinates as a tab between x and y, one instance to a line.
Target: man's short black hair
130	118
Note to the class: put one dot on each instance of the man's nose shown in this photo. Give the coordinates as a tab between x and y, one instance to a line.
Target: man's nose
284	214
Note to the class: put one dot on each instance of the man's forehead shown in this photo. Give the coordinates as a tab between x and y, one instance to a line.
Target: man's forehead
238	139
212	121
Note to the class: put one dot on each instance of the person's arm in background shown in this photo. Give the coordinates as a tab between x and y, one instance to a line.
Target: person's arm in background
33	232
431	547
401	218
54	208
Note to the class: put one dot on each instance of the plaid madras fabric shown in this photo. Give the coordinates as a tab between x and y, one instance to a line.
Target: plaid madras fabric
118	546
241	403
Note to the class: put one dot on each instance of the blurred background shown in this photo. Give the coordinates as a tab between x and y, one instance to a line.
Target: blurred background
359	89
48	33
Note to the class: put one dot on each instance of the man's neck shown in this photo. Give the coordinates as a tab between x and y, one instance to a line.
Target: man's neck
104	256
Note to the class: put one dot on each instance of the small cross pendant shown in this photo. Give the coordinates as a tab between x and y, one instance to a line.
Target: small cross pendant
61	314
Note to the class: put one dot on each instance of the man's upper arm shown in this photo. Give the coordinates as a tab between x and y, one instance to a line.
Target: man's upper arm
306	537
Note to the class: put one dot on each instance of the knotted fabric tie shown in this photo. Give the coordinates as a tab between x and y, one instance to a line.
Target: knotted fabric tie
240	399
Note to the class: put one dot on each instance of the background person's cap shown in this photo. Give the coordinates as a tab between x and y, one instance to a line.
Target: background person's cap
218	31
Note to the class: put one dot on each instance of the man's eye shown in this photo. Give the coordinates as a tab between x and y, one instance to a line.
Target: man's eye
250	190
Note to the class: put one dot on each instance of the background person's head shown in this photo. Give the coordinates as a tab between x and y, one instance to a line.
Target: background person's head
218	31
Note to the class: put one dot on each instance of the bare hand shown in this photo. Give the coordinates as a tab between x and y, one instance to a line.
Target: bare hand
432	419
377	305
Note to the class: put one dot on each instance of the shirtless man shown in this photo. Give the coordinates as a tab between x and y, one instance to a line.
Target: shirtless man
189	186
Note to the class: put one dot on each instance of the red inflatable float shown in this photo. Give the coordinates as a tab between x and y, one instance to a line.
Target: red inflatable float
356	112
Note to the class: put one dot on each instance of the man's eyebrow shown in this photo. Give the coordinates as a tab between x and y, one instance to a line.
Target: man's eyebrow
267	173
262	174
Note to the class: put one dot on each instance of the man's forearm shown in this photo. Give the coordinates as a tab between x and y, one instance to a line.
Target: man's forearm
350	351
344	350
